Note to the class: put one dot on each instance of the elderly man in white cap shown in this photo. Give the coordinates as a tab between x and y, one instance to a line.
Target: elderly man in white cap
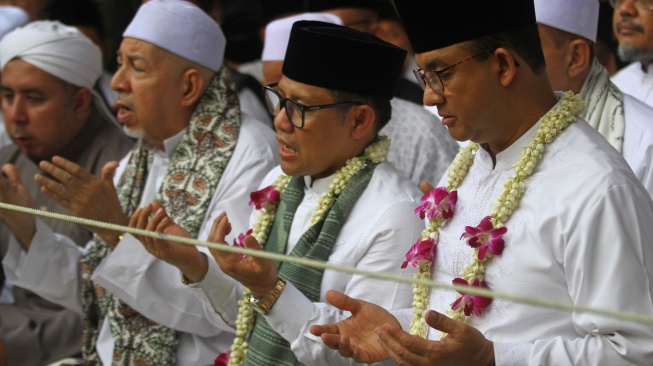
421	148
633	28
568	32
196	156
48	73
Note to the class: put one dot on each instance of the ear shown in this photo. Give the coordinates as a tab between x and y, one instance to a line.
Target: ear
364	117
579	54
82	101
507	65
192	87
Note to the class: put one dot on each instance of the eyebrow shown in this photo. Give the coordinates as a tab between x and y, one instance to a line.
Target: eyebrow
130	57
37	91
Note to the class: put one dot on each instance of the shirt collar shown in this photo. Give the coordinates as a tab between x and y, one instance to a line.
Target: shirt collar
318	186
171	143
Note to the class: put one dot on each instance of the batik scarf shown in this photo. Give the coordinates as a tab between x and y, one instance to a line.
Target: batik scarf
605	105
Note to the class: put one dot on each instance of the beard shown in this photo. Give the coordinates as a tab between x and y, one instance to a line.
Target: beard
135	133
628	53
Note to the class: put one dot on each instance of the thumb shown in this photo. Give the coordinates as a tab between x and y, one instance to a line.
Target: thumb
109	170
425	187
12	174
343	302
252	243
441	322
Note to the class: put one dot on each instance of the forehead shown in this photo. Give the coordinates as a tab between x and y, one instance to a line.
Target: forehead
302	92
132	47
440	58
20	73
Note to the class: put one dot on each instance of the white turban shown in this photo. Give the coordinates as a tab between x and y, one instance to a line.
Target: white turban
277	33
579	17
11	17
180	28
57	49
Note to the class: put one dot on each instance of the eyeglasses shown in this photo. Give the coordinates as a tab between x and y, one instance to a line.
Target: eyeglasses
433	78
639	4
294	110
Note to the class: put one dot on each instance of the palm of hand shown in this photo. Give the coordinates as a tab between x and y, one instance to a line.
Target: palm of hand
360	329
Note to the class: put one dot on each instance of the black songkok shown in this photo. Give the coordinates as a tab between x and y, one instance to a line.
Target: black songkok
340	58
435	24
324	5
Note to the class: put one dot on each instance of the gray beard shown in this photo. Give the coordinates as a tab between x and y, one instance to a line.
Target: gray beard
627	53
135	134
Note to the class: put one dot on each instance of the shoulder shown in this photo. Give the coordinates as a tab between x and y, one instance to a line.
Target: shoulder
389	187
637	113
255	139
625	74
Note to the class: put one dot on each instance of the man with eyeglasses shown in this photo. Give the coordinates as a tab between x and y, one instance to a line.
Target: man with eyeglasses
567	44
328	110
544	209
633	27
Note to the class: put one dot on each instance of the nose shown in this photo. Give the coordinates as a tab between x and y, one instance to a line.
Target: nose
14	110
282	123
625	7
432	98
119	81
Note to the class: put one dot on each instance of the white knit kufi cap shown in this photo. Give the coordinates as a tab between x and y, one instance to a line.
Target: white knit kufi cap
181	28
11	17
579	17
277	33
55	48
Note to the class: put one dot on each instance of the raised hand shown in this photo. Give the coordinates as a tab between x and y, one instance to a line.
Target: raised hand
356	337
187	258
13	191
463	345
257	274
84	195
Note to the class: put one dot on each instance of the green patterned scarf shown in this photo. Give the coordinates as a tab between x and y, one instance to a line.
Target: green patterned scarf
186	192
266	347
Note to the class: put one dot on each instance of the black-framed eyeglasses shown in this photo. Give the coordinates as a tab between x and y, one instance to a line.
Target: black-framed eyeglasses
432	77
639	4
295	110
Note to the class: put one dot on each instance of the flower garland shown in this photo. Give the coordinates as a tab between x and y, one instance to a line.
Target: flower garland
485	238
267	201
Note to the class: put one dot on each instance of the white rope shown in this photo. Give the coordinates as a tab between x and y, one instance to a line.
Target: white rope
337	267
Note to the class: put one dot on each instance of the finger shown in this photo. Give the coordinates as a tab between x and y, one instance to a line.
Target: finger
401	346
331	340
442	322
109	171
344	302
344	348
144	217
154	221
425	187
252	243
133	221
319	330
72	168
220	228
12	173
61	176
52	189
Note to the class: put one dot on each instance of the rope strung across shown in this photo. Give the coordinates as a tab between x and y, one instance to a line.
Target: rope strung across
336	267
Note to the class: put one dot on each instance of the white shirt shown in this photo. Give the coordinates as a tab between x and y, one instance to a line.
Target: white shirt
634	81
637	148
150	286
376	236
420	147
580	235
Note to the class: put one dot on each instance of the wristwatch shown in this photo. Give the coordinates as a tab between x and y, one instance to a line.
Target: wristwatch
265	304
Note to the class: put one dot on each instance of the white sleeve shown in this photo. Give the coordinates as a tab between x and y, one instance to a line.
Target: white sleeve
153	287
610	248
389	238
50	268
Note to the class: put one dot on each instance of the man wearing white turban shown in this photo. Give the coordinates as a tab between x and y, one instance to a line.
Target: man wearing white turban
196	156
48	72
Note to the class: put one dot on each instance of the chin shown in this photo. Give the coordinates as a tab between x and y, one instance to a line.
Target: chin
133	132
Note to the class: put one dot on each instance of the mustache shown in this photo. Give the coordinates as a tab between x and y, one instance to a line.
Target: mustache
630	23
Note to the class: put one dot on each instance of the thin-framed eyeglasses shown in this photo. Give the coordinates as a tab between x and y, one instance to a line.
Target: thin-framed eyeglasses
639	4
295	110
433	78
